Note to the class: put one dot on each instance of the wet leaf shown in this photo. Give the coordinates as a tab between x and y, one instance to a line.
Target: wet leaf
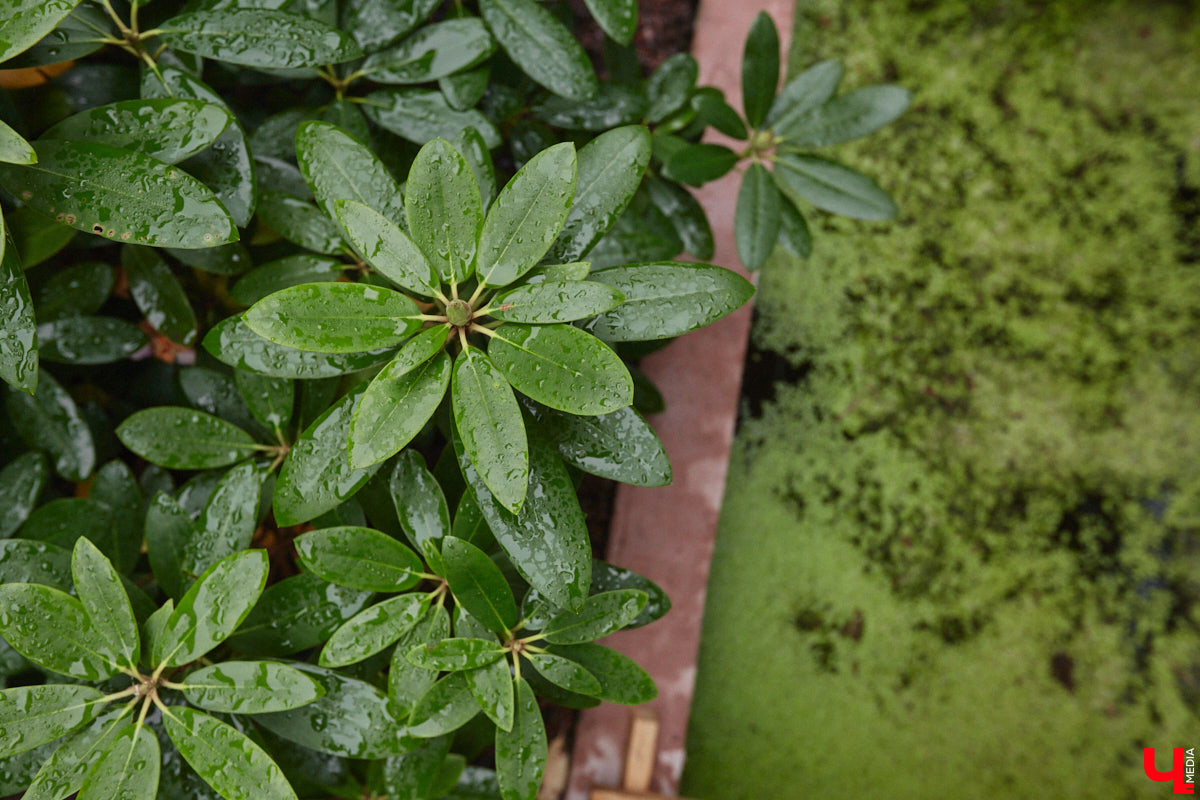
667	299
37	236
359	558
88	340
849	116
300	222
619	446
31	716
168	530
228	760
183	438
347	116
377	23
250	687
258	38
50	421
433	52
444	210
527	216
471	145
13	147
395	407
562	367
793	231
21	483
621	679
115	486
564	672
711	108
232	342
295	614
227	523
386	248
618	18
492	688
697	164
120	195
670	86
373	629
26	22
334	317
756	224
338	167
575	271
760	68
420	115
456	655
18	335
601	615
479	586
606	577
63	520
802	94
52	629
831	187
128	769
541	46
465	89
412	776
420	502
446	707
167	129
227	259
72	39
270	400
288	271
611	106
521	752
63	772
104	599
158	294
488	419
406	681
75	291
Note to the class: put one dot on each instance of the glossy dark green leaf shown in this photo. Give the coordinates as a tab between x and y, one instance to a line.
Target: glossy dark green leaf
492	688
317	475
360	558
115	487
232	342
760	68
300	222
65	519
562	367
478	585
228	760
31	716
288	271
99	587
619	446
52	629
610	170
711	107
168	529
834	188
488	419
521	752
420	115
37	236
802	94
227	259
128	769
574	271
183	438
444	210
169	130
668	299
758	217
21	483
338	167
386	248
685	214
432	52
419	500
250	687
601	615
697	164
158	294
295	614
554	301
377	23
72	39
471	145
456	655
670	86
77	290
412	776
618	18
282	175
50	421
88	340
612	105
214	392
18	335
541	46
270	400
353	719
26	22
213	608
564	672
446	707
406	681
396	406
63	772
227	523
793	232
120	195
621	679
849	116
334	317
465	89
258	38
347	116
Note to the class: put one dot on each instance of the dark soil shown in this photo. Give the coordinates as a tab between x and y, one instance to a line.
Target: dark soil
664	29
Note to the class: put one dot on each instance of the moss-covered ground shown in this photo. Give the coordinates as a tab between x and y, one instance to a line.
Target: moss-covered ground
959	555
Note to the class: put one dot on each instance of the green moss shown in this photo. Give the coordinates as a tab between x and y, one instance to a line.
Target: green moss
961	558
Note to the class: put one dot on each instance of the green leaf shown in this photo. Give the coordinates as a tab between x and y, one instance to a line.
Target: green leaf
398	402
258	38
667	299
288	271
52	629
758	217
575	271
408	682
128	769
378	23
420	115
562	367
18	335
621	679
300	222
167	129
26	22
433	52
228	760
232	342
116	487
338	167
226	259
412	776
521	752
88	340
105	601
183	438
446	707
793	232
711	108
317	475
619	446
444	210
465	89
564	672
70	40
488	419
479	586
353	719
63	520
527	216
611	167
834	188
492	688
613	105
541	46
36	236
120	195
347	116
456	655
470	143
75	291
618	18
50	421
334	317
64	771
601	615
386	248
270	400
802	94
697	164
360	558
213	608
13	148
31	716
760	68
158	294
670	86
374	629
250	687
419	500
295	614
21	483
849	116
228	521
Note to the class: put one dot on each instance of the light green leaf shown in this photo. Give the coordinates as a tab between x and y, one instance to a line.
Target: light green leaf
63	772
183	438
760	69
575	271
287	271
619	446
420	502
564	672
834	188
374	629
167	129
26	22
51	629
18	335
601	615
802	94
25	561
50	421
106	603
492	688
228	760
433	52
386	248
232	342
250	687
562	367
488	419
444	210
420	115
359	558
158	294
128	769
31	716
334	317
13	147
456	655
758	217
300	222
446	707
541	46
407	682
338	167
849	116
521	752
258	38
479	586
618	18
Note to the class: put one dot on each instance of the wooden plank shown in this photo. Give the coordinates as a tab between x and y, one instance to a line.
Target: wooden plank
621	794
642	751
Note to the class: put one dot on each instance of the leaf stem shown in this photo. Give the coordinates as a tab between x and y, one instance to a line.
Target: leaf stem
478	291
108	698
475	328
516	667
462	340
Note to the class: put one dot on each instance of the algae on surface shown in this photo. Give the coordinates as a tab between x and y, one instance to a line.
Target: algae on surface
959	555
